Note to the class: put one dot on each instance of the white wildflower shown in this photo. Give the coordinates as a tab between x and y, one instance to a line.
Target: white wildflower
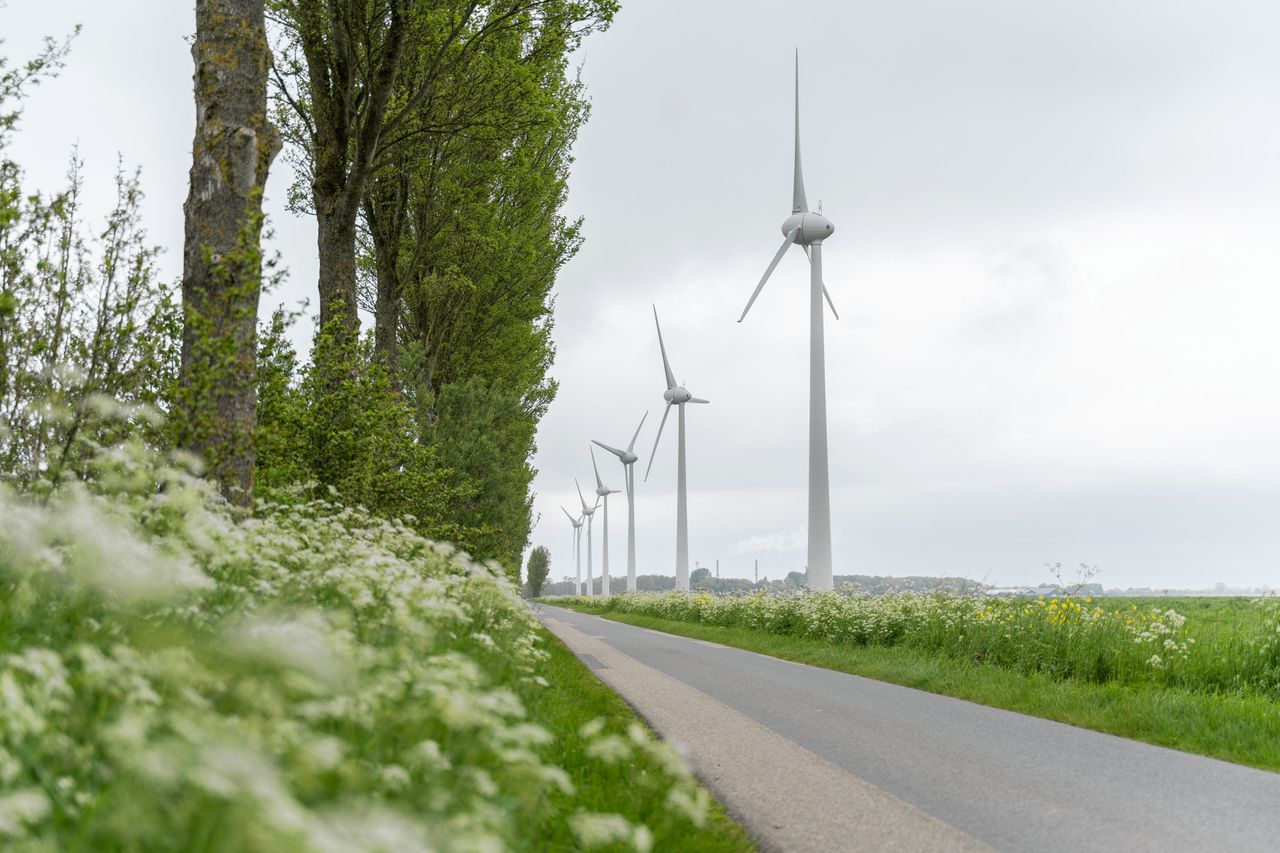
591	728
597	829
304	642
692	805
21	809
610	749
557	777
394	777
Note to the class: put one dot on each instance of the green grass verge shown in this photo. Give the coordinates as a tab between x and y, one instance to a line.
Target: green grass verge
1241	729
575	698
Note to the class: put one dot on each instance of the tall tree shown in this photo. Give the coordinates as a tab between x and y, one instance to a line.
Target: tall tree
537	570
222	260
359	79
477	305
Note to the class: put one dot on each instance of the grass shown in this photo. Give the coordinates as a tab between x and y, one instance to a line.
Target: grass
576	698
1236	727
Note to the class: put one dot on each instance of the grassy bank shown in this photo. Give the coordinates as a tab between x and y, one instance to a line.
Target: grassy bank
308	679
577	702
1238	725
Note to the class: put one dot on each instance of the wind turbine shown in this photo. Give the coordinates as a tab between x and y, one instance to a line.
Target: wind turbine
808	229
589	513
603	492
577	548
629	459
675	395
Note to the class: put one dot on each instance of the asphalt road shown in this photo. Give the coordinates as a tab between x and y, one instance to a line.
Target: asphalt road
931	772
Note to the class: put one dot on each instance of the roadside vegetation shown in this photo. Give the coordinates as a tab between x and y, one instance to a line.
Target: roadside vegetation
313	678
1196	674
228	621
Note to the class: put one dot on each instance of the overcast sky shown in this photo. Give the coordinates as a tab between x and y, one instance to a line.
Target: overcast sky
1056	263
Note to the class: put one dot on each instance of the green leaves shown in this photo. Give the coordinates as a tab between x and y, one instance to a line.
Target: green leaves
538	569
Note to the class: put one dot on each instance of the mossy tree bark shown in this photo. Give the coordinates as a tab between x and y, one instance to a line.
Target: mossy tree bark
222	260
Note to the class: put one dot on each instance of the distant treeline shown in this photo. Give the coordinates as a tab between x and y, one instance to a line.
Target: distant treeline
703	579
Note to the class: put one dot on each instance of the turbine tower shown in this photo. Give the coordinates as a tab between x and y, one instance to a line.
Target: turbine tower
589	513
577	548
629	458
675	395
603	492
808	229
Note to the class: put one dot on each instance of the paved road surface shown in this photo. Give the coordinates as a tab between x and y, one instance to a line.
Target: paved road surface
811	759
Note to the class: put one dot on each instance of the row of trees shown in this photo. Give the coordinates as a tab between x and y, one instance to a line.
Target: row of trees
431	141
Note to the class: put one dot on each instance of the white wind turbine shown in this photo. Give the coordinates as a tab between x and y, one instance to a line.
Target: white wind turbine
589	513
577	548
629	459
603	492
676	395
808	229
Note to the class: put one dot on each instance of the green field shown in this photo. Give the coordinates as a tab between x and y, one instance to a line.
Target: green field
1198	674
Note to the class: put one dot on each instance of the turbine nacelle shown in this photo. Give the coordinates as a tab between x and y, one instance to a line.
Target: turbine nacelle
809	227
627	456
677	395
804	227
587	511
576	522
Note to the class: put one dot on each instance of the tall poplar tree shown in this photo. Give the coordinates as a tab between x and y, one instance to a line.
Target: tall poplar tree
222	260
359	80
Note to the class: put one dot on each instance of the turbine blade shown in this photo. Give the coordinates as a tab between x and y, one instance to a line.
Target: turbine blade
808	254
572	520
799	204
698	400
594	467
666	365
786	244
615	451
580	497
632	446
655	442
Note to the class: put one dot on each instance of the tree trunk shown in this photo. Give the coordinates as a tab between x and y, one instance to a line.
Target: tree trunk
386	314
222	259
336	238
385	207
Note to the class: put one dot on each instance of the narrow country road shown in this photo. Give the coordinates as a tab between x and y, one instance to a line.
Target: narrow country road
812	759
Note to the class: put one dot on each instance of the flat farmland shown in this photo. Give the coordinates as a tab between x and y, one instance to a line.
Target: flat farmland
1198	674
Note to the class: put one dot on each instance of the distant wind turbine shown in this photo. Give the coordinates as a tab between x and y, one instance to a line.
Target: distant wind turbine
675	395
603	492
577	547
808	229
589	513
629	459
